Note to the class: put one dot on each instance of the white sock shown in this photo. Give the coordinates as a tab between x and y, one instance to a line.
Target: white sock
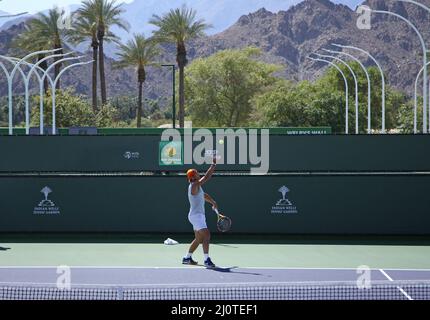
206	256
188	255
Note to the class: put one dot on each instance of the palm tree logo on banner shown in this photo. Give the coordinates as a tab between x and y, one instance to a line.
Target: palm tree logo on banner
284	206
284	201
46	206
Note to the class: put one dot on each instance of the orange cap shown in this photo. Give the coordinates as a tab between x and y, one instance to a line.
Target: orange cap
191	173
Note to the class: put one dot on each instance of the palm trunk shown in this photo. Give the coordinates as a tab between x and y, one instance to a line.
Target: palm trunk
94	76
181	59
141	77
139	106
44	66
102	71
181	97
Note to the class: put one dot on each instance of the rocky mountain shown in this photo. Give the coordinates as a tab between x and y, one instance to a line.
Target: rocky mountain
220	13
286	38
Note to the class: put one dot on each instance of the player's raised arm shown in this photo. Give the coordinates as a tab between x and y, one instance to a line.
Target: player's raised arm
209	173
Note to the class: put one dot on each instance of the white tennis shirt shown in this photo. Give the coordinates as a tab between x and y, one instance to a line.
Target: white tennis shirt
197	202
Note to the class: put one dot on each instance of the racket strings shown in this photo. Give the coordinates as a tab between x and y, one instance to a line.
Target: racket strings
224	224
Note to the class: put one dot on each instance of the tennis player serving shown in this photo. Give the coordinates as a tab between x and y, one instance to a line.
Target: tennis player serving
196	215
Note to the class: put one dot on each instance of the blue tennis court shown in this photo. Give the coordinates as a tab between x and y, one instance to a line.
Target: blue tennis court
219	283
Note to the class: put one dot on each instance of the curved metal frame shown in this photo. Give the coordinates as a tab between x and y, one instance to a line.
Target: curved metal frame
423	45
346	88
355	80
382	78
369	97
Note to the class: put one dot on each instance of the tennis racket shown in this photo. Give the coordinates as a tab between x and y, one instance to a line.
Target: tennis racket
224	223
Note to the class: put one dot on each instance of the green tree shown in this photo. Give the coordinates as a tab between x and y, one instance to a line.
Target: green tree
332	79
18	117
108	117
105	14
139	53
221	87
43	33
322	103
285	105
178	26
72	110
405	117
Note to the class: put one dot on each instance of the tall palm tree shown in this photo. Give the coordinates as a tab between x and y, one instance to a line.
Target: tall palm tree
178	26
139	53
43	32
25	42
106	14
85	31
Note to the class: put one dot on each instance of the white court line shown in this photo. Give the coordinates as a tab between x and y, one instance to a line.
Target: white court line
202	267
188	284
398	287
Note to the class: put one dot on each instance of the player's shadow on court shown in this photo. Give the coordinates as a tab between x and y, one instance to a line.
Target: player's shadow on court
4	249
229	270
224	245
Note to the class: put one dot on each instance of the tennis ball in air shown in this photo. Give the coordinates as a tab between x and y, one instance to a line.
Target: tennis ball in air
221	141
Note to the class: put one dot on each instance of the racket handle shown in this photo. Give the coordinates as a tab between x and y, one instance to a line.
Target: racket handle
216	211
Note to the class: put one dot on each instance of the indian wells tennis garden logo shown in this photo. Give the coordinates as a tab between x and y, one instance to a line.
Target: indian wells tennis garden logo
284	205
46	206
171	153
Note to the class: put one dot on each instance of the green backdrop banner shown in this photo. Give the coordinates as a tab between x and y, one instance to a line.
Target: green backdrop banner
290	204
287	153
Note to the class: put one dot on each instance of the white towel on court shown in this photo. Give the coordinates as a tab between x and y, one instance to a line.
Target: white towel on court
170	242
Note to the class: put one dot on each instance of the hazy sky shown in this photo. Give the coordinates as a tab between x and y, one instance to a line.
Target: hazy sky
17	6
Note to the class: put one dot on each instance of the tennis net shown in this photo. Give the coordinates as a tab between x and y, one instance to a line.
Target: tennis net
393	290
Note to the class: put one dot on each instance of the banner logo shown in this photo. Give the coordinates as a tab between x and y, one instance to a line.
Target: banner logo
46	206
171	153
284	205
131	155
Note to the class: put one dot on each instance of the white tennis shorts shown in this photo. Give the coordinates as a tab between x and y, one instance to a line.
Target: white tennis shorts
198	221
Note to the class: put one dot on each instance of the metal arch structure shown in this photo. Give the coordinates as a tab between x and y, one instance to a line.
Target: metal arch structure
381	71
54	84
416	99
422	6
10	82
17	62
45	75
355	81
346	87
369	97
423	45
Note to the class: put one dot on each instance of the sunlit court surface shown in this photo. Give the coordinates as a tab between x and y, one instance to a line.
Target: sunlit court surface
214	158
250	268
